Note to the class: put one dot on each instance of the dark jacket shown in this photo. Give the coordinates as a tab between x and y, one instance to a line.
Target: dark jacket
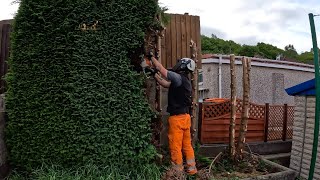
179	98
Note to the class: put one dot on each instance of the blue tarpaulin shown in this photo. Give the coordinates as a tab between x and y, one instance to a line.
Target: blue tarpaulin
307	88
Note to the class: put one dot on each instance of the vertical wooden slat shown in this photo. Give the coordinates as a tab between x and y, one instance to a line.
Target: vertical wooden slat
2	54
168	44
266	123
198	35
7	56
285	122
163	54
183	37
188	33
1	29
200	120
193	29
178	35
173	41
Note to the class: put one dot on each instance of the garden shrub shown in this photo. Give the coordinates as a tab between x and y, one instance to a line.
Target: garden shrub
72	97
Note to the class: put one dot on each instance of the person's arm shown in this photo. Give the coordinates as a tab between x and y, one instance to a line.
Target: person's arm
164	83
163	71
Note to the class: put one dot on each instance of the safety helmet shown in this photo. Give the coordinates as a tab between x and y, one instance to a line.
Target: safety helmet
185	64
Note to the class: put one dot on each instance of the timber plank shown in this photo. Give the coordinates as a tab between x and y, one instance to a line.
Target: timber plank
183	37
179	43
173	41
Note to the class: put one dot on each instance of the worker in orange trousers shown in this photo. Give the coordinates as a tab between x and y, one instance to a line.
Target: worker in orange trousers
179	103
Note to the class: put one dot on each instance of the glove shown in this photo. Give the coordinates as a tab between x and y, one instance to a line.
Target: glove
152	71
155	71
150	55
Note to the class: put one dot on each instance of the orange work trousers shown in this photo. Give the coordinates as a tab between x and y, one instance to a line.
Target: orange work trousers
180	140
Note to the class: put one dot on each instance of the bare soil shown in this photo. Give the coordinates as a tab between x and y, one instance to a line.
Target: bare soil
224	168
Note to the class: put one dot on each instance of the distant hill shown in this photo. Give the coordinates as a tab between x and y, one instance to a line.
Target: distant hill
216	45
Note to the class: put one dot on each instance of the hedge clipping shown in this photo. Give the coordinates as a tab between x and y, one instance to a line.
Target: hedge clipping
72	97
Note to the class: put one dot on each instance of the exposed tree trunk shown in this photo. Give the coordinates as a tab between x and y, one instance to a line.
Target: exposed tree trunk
158	53
246	63
232	148
194	79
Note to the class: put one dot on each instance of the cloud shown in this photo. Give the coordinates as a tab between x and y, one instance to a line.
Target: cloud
278	22
7	9
208	31
249	40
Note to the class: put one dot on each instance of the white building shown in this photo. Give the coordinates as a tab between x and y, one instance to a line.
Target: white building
269	78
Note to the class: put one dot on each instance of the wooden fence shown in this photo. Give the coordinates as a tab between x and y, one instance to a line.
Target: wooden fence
177	36
266	122
5	29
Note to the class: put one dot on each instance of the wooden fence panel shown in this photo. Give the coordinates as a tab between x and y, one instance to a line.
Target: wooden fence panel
5	29
216	120
173	56
276	122
178	34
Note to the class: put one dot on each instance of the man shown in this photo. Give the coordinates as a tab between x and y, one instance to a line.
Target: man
179	103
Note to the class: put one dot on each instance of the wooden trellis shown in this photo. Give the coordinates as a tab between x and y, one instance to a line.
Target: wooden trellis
216	119
266	122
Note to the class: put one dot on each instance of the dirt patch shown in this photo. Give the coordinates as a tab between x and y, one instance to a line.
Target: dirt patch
225	168
173	174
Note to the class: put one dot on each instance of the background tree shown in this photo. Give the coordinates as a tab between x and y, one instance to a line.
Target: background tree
268	51
250	51
215	45
306	57
290	52
218	46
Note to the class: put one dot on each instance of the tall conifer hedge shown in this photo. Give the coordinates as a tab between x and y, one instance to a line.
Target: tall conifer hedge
72	96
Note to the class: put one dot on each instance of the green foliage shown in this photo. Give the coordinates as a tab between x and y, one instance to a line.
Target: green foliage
306	57
146	172
200	158
219	46
216	45
290	52
72	97
268	51
250	51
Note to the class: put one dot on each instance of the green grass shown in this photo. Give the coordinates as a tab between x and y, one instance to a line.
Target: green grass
90	172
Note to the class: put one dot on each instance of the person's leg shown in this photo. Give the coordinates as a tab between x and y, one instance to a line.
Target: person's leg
187	147
175	135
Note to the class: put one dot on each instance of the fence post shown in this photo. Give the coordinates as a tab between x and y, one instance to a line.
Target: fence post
285	122
266	123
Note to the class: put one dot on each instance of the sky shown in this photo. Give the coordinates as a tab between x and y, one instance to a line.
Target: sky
277	22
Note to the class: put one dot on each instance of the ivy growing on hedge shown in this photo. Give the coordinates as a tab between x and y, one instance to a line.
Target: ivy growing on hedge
72	98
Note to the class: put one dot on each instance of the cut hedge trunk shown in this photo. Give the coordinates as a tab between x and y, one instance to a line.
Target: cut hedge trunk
232	148
194	83
72	96
246	63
